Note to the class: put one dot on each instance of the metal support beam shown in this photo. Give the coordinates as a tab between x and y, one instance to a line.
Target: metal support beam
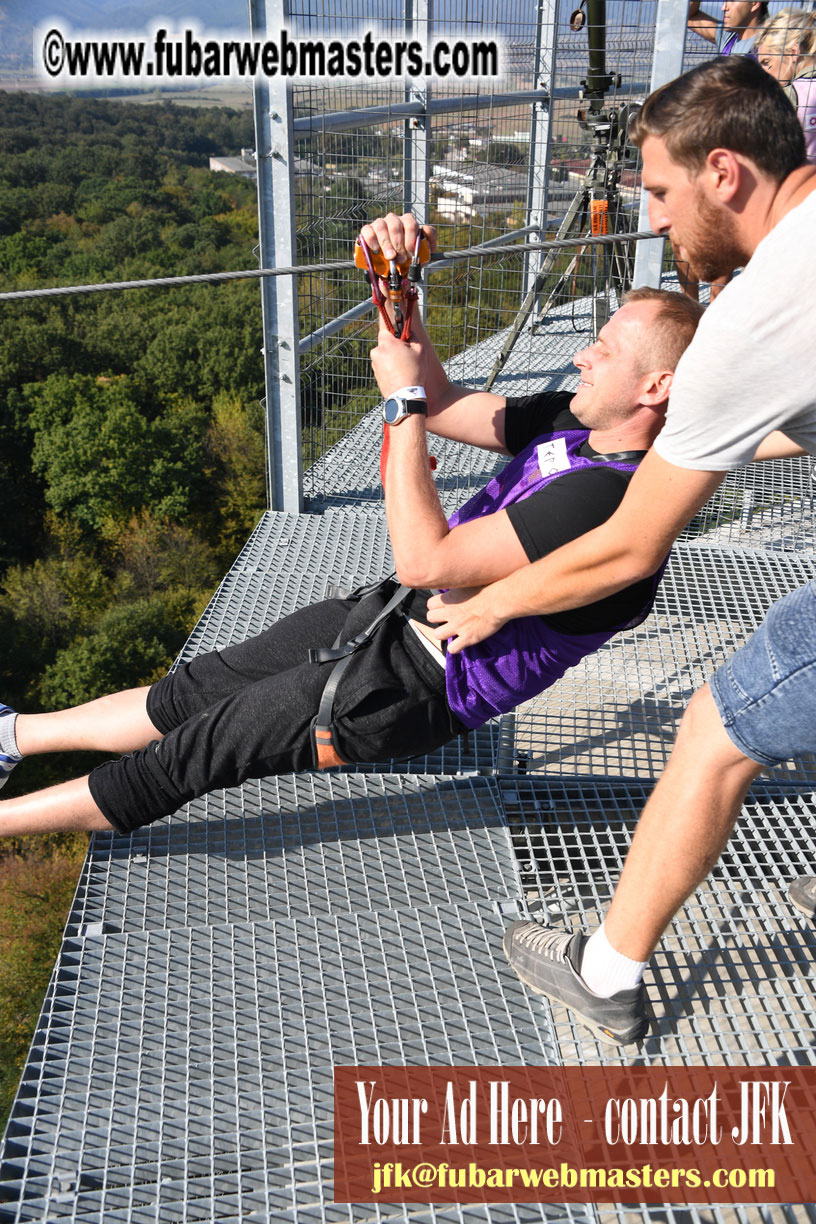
541	121
274	147
667	63
368	116
417	161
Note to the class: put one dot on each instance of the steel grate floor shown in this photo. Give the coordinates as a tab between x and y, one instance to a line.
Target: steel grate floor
778	1213
769	505
219	964
197	1080
733	979
288	563
617	713
306	845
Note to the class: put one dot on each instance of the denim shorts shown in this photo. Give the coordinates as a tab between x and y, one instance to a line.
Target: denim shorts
766	692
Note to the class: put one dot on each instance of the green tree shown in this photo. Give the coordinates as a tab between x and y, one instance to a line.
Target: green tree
157	555
131	645
54	596
102	459
236	443
501	153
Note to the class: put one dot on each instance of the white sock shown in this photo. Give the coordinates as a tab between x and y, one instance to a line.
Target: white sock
606	971
9	752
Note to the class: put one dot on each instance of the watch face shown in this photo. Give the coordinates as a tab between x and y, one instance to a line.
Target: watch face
392	410
397	407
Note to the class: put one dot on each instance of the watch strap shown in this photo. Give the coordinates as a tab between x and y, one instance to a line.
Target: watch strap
408	393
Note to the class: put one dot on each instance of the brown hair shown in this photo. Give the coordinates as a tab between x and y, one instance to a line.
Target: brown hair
675	327
729	103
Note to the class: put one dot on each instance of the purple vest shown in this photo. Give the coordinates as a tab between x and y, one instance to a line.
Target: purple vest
526	655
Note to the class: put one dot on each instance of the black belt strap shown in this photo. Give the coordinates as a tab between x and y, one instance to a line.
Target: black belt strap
337	652
323	748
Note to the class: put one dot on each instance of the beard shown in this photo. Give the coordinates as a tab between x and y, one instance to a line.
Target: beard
710	244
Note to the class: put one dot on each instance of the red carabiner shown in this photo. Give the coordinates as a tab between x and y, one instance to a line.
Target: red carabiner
402	289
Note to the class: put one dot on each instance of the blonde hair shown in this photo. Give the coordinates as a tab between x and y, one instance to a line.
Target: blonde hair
790	31
674	328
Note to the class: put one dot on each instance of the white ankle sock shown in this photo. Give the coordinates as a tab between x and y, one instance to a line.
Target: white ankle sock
8	740
606	971
9	752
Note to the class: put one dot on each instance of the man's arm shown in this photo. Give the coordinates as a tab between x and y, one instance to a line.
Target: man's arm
427	553
629	546
701	23
455	412
778	445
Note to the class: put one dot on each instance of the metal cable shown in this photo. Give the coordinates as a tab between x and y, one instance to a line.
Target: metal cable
302	269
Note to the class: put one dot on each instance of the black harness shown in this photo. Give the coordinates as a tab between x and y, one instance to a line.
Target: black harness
324	750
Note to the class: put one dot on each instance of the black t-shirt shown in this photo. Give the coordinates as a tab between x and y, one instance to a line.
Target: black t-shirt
569	507
564	509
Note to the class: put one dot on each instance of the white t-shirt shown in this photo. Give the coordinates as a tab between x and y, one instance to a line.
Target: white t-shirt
751	368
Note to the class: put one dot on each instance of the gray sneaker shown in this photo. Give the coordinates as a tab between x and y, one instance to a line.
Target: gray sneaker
802	895
547	961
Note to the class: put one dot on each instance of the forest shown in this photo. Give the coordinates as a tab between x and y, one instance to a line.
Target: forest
131	440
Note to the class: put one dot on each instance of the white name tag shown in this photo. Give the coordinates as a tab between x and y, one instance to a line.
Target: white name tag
552	456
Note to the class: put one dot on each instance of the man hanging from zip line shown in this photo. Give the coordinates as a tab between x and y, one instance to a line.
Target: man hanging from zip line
309	691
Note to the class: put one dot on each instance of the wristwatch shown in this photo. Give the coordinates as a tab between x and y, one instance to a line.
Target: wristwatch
405	402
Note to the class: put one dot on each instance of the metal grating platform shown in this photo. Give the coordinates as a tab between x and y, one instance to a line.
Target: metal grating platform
768	505
778	1213
346	547
288	563
617	713
351	469
732	981
306	845
196	1082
